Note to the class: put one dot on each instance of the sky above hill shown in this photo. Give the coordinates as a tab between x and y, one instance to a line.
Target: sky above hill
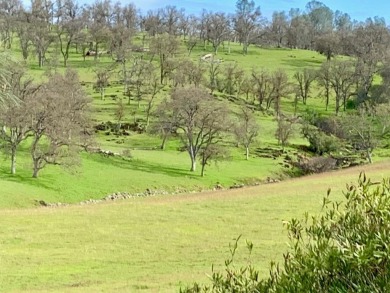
359	10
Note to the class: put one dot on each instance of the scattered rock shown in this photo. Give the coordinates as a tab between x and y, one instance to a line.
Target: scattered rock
236	186
271	180
42	203
148	192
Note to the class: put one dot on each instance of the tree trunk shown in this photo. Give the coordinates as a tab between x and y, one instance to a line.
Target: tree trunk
96	51
148	116
162	147
245	49
202	172
192	154
369	156
247	153
337	105
124	76
245	45
66	57
35	168
344	103
193	163
102	93
40	59
35	160
13	160
327	98
161	73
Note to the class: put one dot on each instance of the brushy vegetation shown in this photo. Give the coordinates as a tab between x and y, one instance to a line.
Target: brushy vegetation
345	249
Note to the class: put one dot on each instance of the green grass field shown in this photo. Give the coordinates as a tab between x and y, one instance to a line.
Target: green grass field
156	244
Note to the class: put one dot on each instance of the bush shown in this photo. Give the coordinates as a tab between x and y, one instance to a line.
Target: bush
315	164
320	142
332	126
346	249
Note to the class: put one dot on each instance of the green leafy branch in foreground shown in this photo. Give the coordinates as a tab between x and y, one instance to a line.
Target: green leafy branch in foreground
345	249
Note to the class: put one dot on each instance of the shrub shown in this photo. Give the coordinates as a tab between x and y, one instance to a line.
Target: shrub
320	142
315	164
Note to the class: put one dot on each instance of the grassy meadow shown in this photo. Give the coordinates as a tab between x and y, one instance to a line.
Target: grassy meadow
156	244
159	243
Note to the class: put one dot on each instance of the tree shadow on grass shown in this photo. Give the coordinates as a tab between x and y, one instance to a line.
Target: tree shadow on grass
300	63
24	177
142	166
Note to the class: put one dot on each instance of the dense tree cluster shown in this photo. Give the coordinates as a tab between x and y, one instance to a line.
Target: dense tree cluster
106	26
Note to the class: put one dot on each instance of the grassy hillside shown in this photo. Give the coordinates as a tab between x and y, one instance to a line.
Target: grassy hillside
159	243
148	167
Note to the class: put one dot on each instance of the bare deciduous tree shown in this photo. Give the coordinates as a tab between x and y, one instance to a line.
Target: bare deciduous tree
233	78
284	129
122	31
41	33
188	73
164	46
23	31
153	87
342	79
361	133
280	89
218	28
120	113
261	81
100	13
246	21
211	152
323	78
14	121
328	44
171	19
70	24
246	129
200	119
304	79
164	125
278	28
58	115
102	78
9	10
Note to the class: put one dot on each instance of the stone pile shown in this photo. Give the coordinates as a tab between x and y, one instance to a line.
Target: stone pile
148	192
111	197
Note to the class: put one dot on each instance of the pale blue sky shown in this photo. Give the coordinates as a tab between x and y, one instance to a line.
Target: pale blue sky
357	9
